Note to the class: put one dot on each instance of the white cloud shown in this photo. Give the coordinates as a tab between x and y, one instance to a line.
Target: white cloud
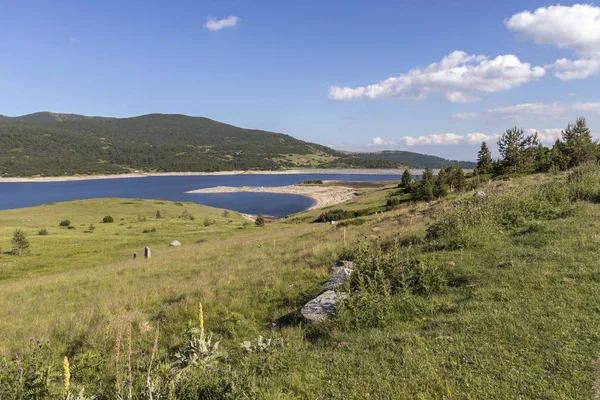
587	107
447	139
377	141
547	136
567	70
576	28
519	111
456	76
213	24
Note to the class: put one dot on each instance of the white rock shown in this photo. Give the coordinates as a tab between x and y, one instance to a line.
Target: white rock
174	243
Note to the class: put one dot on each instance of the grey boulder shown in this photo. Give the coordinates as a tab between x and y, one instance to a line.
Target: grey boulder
174	243
321	307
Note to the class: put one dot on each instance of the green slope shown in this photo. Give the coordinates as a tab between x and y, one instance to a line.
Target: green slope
415	159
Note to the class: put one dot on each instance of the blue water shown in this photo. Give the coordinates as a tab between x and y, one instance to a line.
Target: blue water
173	188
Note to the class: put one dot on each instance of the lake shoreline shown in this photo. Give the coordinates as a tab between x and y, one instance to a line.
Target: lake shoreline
324	196
313	171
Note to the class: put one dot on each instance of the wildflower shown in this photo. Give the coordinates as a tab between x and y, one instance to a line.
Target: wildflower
274	325
31	339
47	341
67	373
201	320
4	366
19	370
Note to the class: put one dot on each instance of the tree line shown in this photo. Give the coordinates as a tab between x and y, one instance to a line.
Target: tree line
524	153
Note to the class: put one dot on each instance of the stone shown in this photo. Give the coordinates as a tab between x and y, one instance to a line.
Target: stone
174	243
480	194
322	306
134	256
147	253
342	271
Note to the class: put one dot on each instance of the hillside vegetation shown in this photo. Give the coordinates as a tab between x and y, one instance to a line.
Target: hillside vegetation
415	159
489	297
59	144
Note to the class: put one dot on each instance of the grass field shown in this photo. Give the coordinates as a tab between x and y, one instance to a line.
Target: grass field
457	299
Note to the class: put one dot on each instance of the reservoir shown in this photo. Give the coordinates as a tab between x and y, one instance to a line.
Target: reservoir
173	188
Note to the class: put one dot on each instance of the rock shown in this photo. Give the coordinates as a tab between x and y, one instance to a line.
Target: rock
376	228
480	194
147	253
341	274
321	307
345	264
174	243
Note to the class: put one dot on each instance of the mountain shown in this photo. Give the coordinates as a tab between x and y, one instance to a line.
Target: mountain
58	144
46	116
47	143
415	159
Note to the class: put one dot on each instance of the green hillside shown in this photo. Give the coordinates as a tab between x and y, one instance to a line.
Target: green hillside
59	144
415	159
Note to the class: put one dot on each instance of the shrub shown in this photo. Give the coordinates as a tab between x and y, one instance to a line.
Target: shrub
312	182
225	214
355	222
393	202
42	232
71	228
91	227
260	220
209	222
158	214
20	243
65	222
338	215
149	230
108	219
187	216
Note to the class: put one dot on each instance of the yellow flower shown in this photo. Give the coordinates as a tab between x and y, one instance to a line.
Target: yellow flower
67	373
201	320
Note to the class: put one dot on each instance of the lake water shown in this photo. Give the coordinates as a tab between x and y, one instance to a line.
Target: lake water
173	188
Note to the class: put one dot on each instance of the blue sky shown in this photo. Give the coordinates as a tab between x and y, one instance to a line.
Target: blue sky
317	70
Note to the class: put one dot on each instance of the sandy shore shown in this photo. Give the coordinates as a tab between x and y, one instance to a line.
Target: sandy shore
335	171
323	196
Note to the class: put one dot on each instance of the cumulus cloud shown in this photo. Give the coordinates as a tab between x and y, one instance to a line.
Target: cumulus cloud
576	28
587	107
377	141
456	76
443	139
547	135
519	111
213	24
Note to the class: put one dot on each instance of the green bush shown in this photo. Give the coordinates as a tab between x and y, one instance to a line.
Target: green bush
352	222
65	222
108	219
338	215
42	232
260	220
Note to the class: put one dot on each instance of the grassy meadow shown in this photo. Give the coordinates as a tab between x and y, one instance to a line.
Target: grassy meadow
489	298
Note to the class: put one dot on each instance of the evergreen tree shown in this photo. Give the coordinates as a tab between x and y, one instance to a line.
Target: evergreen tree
578	144
516	149
484	160
460	179
440	188
424	188
406	180
558	156
260	220
20	242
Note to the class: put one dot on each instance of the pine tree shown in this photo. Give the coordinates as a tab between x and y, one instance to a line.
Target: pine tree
20	242
578	144
440	188
460	179
424	188
484	160
406	180
514	147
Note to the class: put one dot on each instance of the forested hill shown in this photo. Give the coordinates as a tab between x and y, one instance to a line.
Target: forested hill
59	144
415	159
49	144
